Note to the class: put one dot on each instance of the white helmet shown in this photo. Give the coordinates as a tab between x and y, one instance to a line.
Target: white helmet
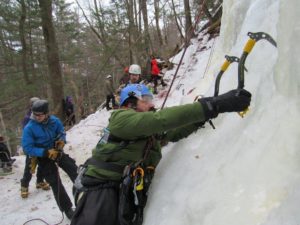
108	76
33	99
135	69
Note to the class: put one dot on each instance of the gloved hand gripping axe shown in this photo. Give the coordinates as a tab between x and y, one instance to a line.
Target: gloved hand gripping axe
254	37
224	67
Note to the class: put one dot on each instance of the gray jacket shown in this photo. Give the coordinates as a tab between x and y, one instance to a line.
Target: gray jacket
109	88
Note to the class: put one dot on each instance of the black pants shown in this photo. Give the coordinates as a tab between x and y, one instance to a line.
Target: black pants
108	98
98	205
4	154
70	119
155	79
68	165
27	175
50	173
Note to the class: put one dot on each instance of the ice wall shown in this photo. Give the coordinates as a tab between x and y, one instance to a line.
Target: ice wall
287	73
247	170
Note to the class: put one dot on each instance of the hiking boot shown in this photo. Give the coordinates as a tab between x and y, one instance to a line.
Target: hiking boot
43	185
70	213
24	192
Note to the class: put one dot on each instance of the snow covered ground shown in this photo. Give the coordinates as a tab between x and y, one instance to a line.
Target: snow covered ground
245	171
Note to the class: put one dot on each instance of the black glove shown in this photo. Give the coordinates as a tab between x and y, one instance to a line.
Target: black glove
233	101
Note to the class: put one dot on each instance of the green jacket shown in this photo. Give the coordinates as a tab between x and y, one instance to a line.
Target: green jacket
172	124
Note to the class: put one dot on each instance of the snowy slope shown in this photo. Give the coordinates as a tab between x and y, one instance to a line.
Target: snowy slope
245	171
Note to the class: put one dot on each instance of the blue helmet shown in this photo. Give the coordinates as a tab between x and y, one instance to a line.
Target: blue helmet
145	91
133	90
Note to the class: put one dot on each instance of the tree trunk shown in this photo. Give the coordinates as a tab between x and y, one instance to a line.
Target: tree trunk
188	19
55	74
207	13
23	41
132	33
165	25
156	8
135	14
146	27
176	21
31	55
140	17
31	63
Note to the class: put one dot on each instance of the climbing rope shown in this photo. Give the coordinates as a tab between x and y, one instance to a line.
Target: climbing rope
210	58
207	65
62	215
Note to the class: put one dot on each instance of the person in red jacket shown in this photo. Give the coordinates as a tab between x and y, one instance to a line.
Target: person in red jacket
156	74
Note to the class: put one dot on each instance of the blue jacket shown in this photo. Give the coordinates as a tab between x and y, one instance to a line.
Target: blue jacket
39	137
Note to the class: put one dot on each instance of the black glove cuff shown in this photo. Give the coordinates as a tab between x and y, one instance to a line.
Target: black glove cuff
209	108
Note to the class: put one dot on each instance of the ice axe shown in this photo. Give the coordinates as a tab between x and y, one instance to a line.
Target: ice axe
224	67
226	64
253	38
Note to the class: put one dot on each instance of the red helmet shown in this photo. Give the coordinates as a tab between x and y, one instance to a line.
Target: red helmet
126	69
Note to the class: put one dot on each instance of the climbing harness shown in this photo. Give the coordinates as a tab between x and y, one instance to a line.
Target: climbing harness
134	187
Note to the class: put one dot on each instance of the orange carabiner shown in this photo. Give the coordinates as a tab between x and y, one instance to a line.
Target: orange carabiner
138	170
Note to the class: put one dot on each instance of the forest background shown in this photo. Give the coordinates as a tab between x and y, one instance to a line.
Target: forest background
56	48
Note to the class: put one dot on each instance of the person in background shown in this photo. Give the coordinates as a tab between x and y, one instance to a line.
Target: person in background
109	91
69	111
44	137
6	161
30	161
156	74
28	113
134	74
125	78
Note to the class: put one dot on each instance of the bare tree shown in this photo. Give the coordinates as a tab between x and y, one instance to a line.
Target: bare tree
130	12
176	21
146	26
23	40
188	18
55	74
140	17
156	8
99	35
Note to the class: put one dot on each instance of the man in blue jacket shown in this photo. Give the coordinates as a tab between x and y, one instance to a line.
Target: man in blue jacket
44	137
27	175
